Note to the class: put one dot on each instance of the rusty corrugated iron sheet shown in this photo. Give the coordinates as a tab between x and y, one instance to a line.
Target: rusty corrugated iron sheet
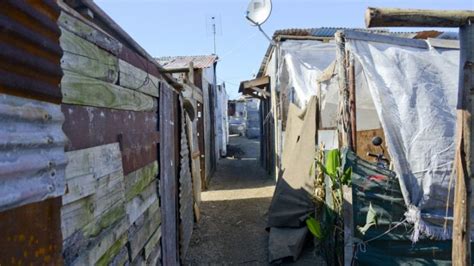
30	234
32	159
29	49
137	132
181	62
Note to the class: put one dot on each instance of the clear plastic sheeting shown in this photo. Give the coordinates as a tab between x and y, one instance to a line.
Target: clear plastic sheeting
329	92
301	64
414	92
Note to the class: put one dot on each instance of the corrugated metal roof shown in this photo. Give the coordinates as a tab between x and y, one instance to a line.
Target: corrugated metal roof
178	62
32	158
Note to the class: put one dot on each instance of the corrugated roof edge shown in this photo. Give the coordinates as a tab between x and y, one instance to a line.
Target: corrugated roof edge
200	61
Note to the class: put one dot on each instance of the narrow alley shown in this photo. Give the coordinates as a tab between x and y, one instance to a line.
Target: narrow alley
234	210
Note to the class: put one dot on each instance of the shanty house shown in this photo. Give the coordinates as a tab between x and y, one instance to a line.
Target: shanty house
93	144
211	112
306	123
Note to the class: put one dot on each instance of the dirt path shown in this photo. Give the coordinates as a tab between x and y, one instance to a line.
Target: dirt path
234	211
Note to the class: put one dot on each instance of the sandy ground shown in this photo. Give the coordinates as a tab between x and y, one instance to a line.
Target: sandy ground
234	211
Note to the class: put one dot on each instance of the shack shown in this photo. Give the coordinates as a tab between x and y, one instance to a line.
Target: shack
211	112
92	149
244	117
408	209
307	123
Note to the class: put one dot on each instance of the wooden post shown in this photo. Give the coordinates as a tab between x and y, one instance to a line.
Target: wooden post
347	131
191	73
352	102
461	254
461	249
344	94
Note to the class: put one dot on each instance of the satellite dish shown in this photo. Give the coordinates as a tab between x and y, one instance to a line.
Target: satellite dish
259	11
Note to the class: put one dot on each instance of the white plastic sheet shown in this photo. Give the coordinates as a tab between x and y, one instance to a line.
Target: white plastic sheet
301	64
414	91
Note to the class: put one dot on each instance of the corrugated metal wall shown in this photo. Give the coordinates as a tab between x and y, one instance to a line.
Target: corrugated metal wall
32	158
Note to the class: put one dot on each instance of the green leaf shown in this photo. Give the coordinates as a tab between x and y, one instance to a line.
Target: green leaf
347	176
333	161
370	220
314	227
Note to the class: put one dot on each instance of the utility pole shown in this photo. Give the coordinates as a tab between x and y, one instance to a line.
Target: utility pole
214	32
463	164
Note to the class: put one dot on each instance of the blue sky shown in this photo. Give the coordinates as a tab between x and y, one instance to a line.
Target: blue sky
182	27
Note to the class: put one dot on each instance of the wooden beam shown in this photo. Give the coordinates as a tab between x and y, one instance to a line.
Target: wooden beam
395	17
258	82
343	88
371	37
352	102
461	251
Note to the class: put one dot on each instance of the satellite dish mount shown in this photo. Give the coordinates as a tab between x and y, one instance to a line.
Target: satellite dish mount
258	12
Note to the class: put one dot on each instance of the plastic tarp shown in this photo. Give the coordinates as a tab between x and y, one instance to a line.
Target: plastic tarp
379	188
367	118
414	91
302	62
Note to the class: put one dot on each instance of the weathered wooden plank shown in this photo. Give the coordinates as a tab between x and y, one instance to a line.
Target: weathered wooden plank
85	58
168	176
140	179
96	249
90	33
110	254
461	250
78	214
141	202
82	90
87	166
396	17
140	232
121	258
136	79
152	243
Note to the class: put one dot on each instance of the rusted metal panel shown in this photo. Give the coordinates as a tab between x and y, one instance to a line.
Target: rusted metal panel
168	174
31	234
32	159
135	131
29	50
186	202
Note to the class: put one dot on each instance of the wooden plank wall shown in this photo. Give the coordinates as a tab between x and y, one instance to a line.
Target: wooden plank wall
111	213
